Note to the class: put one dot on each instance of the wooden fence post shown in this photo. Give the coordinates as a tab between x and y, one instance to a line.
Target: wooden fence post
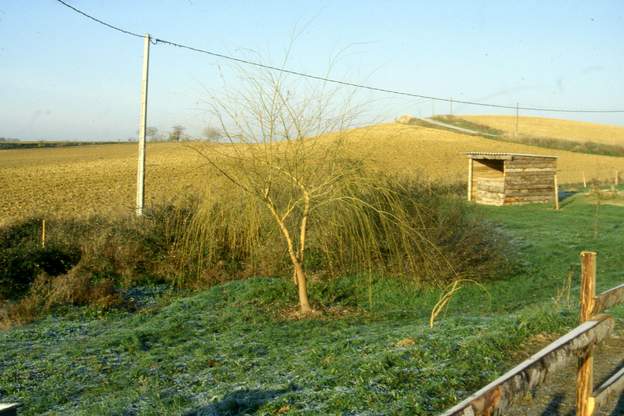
43	233
584	374
470	179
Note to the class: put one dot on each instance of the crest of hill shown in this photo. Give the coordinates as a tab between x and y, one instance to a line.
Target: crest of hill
554	128
437	155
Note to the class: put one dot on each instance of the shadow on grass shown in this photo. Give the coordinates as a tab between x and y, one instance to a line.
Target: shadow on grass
239	403
619	408
554	406
567	197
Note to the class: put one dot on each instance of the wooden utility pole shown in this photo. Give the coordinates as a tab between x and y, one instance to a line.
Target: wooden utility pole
140	197
451	105
584	374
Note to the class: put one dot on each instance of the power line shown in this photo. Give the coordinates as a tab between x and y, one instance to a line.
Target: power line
331	80
95	19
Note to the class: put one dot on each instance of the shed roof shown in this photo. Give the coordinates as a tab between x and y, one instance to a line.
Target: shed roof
503	156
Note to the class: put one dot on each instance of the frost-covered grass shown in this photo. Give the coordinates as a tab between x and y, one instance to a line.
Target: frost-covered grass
226	352
237	349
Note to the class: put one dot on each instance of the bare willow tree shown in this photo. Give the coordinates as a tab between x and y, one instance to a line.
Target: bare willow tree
277	154
283	153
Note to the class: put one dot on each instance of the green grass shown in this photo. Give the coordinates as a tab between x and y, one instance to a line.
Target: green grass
234	350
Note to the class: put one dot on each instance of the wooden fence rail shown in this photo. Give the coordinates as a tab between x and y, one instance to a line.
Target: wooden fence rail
608	299
497	396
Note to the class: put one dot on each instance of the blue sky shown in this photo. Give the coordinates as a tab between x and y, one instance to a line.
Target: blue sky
65	77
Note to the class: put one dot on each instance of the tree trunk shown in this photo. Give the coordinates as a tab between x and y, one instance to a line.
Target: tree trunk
299	274
304	303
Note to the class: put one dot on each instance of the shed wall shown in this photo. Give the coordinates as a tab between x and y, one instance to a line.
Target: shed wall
529	180
485	174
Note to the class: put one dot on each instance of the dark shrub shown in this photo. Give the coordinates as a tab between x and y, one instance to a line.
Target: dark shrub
22	257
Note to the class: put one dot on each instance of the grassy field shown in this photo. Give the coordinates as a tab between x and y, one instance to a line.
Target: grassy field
553	128
101	179
236	348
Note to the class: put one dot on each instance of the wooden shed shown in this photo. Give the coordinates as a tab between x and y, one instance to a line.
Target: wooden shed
511	178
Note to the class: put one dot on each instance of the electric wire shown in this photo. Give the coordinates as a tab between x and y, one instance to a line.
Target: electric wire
331	80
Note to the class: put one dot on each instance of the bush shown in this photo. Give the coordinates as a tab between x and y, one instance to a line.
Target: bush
418	231
22	258
93	261
85	262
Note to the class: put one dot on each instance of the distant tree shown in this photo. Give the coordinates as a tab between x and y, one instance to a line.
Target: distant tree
151	133
212	134
176	134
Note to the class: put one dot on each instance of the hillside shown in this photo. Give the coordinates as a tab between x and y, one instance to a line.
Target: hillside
101	178
435	154
554	128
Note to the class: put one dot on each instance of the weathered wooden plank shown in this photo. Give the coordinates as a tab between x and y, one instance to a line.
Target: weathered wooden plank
526	183
529	191
527	199
609	298
545	192
491	185
516	161
533	158
491	157
487	174
538	189
610	390
551	170
500	180
525	176
495	196
525	202
536	185
494	398
496	189
490	201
